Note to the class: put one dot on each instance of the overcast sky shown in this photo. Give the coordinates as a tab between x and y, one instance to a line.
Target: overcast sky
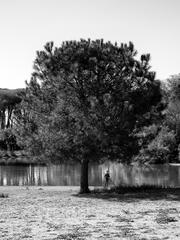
26	25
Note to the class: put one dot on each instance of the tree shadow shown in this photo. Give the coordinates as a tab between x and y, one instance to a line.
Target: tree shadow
126	194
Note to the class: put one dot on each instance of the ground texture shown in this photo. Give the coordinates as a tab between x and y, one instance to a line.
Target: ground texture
45	213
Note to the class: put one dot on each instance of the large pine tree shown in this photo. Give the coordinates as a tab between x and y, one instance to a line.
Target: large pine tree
84	100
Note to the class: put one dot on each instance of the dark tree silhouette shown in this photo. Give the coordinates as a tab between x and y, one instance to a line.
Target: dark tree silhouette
9	98
84	101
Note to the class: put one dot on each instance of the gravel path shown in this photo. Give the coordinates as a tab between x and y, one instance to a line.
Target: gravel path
45	213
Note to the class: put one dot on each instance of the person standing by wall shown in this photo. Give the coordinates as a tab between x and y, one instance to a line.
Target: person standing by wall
107	178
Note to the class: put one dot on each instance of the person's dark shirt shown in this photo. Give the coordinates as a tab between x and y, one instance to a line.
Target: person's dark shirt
107	176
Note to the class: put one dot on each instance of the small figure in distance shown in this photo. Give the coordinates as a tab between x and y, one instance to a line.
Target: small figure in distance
107	178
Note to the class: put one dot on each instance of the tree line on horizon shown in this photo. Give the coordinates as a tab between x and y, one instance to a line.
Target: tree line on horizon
94	101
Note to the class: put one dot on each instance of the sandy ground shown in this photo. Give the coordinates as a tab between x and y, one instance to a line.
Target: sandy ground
60	213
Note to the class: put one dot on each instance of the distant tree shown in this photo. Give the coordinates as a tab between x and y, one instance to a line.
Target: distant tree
9	100
159	145
172	112
161	141
173	109
84	101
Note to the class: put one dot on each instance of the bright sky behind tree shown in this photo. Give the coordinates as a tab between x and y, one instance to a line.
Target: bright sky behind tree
26	25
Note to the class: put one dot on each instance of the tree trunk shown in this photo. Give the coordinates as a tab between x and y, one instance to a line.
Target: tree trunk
3	119
84	188
9	114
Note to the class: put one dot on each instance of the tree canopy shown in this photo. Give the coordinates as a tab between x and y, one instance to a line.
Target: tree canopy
85	100
9	99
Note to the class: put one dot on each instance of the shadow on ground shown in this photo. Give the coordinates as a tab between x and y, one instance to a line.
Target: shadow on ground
130	195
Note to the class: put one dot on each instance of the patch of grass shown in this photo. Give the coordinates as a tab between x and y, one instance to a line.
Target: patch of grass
4	195
70	236
164	218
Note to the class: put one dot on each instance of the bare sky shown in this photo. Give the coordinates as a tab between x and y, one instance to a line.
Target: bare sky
26	25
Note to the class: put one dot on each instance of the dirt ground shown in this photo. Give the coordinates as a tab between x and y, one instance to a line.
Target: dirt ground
45	213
